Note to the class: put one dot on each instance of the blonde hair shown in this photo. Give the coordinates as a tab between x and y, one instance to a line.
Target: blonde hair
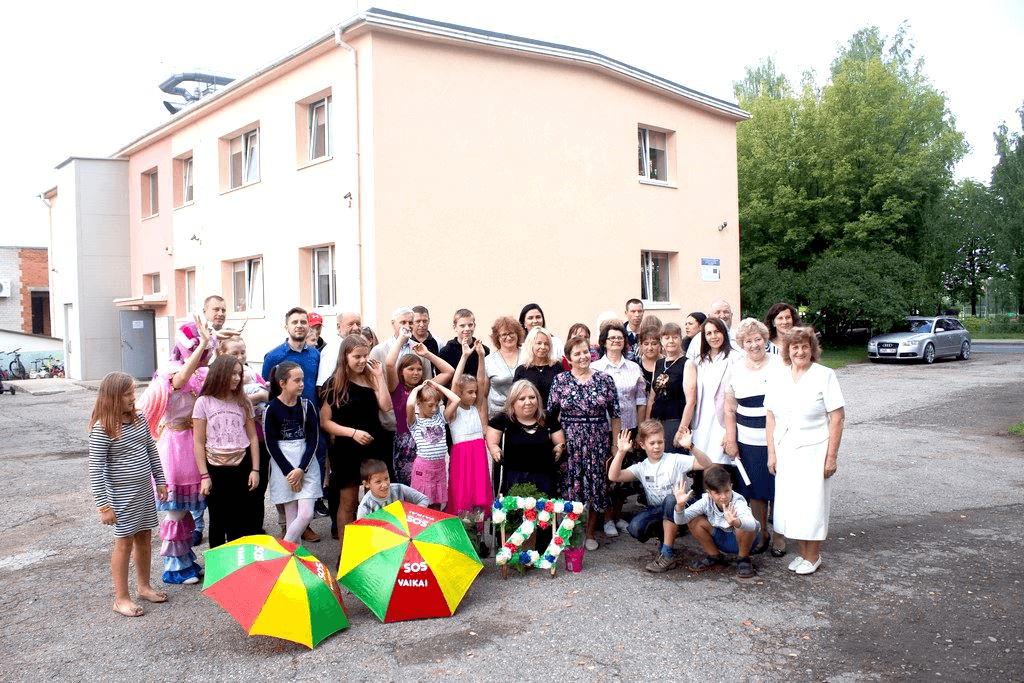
529	360
518	387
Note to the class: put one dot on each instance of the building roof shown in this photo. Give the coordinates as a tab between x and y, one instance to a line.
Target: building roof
375	19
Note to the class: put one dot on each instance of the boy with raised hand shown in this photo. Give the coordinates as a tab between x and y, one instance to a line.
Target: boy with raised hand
721	521
658	474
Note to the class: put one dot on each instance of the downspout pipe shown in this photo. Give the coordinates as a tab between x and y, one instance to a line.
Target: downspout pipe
363	310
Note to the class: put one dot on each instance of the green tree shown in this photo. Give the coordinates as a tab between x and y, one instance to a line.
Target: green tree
854	166
1008	193
966	222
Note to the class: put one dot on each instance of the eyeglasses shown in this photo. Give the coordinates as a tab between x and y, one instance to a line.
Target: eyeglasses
615	339
502	335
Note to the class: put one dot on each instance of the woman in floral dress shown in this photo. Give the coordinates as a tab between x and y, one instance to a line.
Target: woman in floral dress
585	400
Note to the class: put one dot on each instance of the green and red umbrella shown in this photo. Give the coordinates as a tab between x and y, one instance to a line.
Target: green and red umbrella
408	562
275	588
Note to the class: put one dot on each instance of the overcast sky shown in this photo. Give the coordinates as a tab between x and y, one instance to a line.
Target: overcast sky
82	77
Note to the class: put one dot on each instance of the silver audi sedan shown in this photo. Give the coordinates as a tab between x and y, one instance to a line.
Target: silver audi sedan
922	338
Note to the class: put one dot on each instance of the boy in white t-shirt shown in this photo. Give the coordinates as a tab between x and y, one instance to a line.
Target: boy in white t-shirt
658	475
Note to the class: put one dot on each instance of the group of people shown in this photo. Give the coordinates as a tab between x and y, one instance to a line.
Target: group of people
746	412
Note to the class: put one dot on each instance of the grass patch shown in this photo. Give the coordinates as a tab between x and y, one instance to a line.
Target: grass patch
1017	428
836	358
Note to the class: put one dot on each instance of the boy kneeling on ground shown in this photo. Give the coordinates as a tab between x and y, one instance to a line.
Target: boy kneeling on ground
721	521
380	492
658	474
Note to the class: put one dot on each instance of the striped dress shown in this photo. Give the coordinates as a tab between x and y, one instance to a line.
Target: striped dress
748	387
121	474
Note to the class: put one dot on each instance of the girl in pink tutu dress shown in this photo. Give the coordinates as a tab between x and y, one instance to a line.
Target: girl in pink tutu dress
168	405
469	483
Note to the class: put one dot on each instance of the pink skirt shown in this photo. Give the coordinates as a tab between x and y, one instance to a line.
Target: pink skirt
469	485
429	477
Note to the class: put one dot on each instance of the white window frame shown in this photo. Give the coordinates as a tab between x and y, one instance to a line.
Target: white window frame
187	191
645	169
247	146
252	298
324	107
332	287
154	283
151	207
651	274
190	290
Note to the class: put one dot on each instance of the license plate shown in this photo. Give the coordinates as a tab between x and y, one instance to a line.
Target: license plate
891	352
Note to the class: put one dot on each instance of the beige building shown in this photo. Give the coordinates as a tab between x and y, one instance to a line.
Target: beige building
401	161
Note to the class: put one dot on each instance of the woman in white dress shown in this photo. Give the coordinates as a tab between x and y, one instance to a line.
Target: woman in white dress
804	426
704	384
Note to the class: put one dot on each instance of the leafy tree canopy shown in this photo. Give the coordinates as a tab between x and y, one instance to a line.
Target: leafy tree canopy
852	166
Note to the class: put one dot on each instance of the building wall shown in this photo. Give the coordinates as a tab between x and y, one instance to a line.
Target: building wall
485	179
89	250
35	277
10	306
516	181
294	206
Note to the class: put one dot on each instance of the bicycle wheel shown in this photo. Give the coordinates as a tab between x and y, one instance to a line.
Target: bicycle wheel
17	369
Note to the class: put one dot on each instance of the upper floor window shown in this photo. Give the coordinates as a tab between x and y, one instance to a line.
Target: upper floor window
150	194
652	153
654	280
320	129
247	284
183	180
244	159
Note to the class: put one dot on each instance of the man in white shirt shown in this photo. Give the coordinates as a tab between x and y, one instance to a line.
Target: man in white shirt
719	309
348	323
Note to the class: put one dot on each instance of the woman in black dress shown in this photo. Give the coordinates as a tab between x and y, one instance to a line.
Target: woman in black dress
352	400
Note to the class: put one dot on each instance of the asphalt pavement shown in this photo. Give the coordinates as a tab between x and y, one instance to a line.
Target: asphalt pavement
920	576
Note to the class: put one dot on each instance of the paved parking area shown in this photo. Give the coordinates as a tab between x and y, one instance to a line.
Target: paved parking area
920	578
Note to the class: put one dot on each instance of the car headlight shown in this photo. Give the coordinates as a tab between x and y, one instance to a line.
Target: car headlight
910	342
872	344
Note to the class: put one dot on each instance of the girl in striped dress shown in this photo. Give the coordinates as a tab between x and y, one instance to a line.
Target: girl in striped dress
123	467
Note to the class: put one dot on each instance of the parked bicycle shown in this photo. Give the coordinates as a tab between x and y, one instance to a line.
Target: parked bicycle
16	367
53	366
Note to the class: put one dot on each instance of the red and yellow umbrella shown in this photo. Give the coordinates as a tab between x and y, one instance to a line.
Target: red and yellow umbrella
408	562
275	588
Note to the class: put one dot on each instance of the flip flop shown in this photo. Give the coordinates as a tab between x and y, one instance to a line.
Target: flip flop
158	596
133	611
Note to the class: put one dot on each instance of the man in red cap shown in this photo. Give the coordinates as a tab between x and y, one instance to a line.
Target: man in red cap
316	325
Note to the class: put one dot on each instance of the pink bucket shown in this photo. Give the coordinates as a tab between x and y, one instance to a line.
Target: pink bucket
573	559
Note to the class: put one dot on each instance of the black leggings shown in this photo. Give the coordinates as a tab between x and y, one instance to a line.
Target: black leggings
230	502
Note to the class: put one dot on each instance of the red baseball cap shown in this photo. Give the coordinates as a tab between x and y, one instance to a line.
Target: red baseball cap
315	318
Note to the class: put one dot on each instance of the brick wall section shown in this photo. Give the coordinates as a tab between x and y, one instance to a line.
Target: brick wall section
35	274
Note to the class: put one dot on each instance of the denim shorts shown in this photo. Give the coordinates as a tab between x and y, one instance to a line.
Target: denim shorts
726	540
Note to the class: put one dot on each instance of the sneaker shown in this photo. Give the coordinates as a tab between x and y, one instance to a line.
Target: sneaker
745	568
622	525
715	562
662	563
591	544
610	530
796	562
806	567
320	509
191	580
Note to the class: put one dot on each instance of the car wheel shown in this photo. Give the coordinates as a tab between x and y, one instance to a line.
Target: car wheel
965	350
929	354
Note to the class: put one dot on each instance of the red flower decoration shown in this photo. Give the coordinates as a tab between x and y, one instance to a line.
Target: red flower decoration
549	506
530	515
510	546
573	516
558	540
543	525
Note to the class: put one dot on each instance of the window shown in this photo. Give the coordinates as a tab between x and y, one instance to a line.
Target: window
190	289
183	183
652	152
247	284
150	194
324	284
319	129
654	284
244	159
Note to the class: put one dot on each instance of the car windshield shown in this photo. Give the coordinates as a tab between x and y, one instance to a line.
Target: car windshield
914	326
